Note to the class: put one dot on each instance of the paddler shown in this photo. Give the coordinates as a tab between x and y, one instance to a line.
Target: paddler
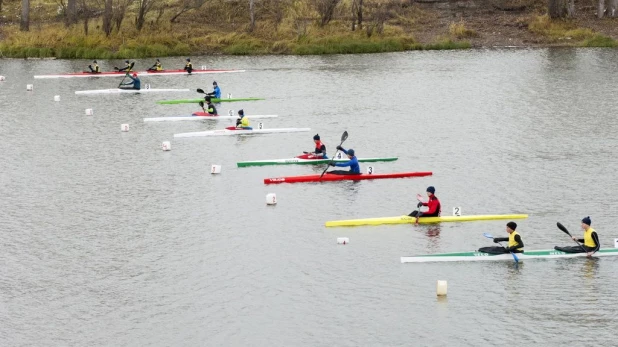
94	67
156	66
216	92
433	205
243	122
127	68
320	148
352	162
515	244
188	66
210	108
135	83
590	242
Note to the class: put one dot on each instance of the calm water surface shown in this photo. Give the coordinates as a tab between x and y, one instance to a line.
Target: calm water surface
108	241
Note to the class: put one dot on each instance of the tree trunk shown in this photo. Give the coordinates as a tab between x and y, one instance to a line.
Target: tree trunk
86	25
24	24
0	5
252	13
359	14
71	12
561	8
107	18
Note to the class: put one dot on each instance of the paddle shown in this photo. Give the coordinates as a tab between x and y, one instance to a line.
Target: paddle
125	76
202	105
561	227
201	91
344	137
489	236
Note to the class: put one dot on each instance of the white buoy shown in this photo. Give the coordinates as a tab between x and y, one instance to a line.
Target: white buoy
166	146
343	240
124	127
29	87
215	169
441	288
615	243
370	170
56	97
271	199
89	112
2	78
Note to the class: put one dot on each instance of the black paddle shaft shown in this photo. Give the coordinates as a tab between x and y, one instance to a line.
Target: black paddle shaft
344	137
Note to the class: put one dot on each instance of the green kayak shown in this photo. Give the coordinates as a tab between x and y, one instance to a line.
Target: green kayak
215	100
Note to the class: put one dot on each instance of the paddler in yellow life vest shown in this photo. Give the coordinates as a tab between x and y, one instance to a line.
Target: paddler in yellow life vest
188	66
515	244
210	108
590	242
94	67
243	122
156	66
127	68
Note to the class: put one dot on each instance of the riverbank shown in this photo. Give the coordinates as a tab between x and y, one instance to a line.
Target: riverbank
418	26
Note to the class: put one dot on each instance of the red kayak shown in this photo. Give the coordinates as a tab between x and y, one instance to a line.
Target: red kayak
204	114
140	73
332	177
307	156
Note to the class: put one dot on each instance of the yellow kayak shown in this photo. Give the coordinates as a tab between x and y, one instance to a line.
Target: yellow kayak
422	220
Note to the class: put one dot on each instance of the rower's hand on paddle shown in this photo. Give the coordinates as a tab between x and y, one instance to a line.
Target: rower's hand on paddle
331	164
419	204
574	238
496	241
339	148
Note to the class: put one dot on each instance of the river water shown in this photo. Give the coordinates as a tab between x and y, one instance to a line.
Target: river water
108	241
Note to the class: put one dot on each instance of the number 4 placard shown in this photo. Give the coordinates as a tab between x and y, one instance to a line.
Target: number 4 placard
457	211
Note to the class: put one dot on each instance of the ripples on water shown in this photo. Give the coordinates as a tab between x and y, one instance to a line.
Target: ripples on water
107	241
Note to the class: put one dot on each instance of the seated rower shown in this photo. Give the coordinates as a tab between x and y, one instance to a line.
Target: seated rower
157	66
188	66
352	163
243	122
590	241
134	83
320	148
515	245
433	205
216	92
210	108
127	68
94	67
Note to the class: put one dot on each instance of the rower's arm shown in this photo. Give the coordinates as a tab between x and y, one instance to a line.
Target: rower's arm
595	237
501	239
344	164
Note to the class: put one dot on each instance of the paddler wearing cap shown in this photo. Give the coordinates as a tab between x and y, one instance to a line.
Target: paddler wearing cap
352	163
243	122
156	66
320	148
127	68
515	244
188	66
216	92
590	242
134	83
94	67
433	205
210	108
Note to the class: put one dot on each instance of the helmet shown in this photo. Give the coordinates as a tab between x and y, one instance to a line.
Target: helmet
351	152
188	59
207	98
431	189
316	137
157	59
214	83
134	74
95	61
241	112
126	61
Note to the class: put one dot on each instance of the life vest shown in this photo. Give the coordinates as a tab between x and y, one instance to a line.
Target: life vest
588	240
318	147
211	109
159	67
512	242
128	67
189	66
244	122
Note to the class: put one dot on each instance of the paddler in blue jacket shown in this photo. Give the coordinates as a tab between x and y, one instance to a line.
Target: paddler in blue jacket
134	83
216	92
94	67
243	122
352	163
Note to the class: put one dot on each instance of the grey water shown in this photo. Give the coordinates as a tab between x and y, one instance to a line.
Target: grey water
106	240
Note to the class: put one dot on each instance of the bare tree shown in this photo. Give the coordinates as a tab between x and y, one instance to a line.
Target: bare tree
107	18
71	12
118	12
187	5
561	8
326	10
24	24
0	5
357	12
143	7
252	14
612	8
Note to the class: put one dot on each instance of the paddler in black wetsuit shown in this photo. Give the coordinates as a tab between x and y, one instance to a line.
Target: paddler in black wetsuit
210	108
126	68
590	242
94	67
320	148
188	66
156	66
515	245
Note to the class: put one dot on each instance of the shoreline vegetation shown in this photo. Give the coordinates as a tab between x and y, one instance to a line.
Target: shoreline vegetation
127	29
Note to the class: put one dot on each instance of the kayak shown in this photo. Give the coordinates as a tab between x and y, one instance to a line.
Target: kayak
233	131
203	116
306	160
214	100
127	91
422	220
480	256
331	177
139	73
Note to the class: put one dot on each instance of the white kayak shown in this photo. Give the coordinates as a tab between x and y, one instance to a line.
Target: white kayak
181	118
128	91
229	132
139	73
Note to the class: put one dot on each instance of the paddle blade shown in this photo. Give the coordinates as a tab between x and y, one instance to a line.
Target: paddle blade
201	103
488	235
561	227
515	257
200	90
344	136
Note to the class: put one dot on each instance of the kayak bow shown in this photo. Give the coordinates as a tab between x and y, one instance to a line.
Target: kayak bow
422	220
229	132
139	73
332	177
305	161
480	256
214	100
127	91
